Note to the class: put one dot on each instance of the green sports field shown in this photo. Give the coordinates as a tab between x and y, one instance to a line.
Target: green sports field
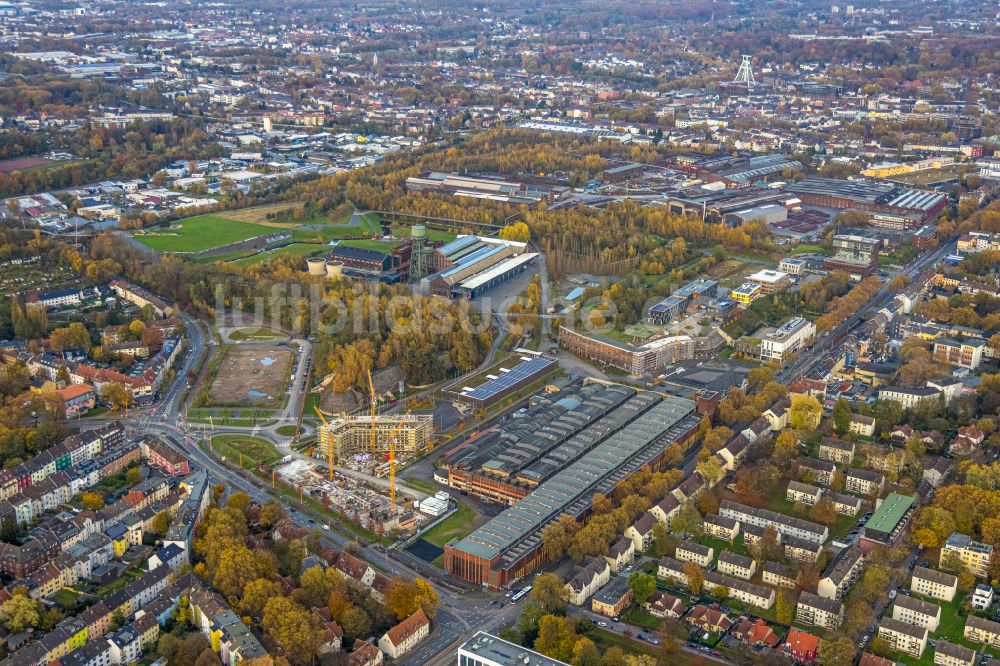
201	233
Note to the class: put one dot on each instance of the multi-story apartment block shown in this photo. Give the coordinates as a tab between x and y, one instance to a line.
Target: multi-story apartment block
688	551
974	555
841	573
778	575
802	493
837	451
981	630
903	637
785	525
916	612
863	482
947	653
818	611
963	354
935	584
736	565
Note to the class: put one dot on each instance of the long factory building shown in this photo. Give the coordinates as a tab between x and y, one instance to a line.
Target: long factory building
509	546
505	465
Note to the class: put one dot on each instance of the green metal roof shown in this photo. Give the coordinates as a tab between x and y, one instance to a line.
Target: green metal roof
890	512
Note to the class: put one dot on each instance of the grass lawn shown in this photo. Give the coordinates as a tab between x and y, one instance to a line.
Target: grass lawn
420	484
201	232
718	545
457	525
256	451
66	598
807	248
371	244
605	639
133	574
295	250
95	412
286	430
256	334
641	617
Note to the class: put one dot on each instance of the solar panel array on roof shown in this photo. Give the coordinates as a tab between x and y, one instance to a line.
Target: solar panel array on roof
610	461
521	371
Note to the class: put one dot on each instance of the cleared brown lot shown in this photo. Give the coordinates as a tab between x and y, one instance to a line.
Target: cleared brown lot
21	163
251	375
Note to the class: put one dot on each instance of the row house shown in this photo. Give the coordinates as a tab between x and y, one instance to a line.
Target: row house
786	525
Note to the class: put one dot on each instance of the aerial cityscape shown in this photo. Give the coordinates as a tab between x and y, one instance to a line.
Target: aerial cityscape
500	333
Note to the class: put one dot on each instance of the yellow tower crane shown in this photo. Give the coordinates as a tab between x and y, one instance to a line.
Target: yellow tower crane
371	389
392	462
330	460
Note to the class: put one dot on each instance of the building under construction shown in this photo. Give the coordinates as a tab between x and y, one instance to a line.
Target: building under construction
353	435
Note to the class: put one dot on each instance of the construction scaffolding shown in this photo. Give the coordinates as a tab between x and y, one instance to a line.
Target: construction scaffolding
369	438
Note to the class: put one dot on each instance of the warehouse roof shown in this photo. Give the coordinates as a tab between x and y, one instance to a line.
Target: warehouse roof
579	480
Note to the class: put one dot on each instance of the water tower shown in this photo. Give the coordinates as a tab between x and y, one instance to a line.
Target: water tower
419	258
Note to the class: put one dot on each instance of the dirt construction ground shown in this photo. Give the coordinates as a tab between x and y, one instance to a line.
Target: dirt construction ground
251	375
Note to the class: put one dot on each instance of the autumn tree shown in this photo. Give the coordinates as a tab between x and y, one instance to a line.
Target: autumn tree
836	652
406	596
117	395
842	415
711	470
784	607
20	612
642	585
295	631
767	547
556	638
92	500
695	577
549	592
805	412
256	594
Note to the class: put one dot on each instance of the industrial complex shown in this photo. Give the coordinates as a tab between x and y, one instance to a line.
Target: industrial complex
509	546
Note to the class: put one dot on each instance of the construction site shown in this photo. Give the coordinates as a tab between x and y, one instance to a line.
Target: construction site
367	503
362	441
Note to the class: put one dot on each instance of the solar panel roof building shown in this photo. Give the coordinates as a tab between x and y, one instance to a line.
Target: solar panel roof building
499	381
509	546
